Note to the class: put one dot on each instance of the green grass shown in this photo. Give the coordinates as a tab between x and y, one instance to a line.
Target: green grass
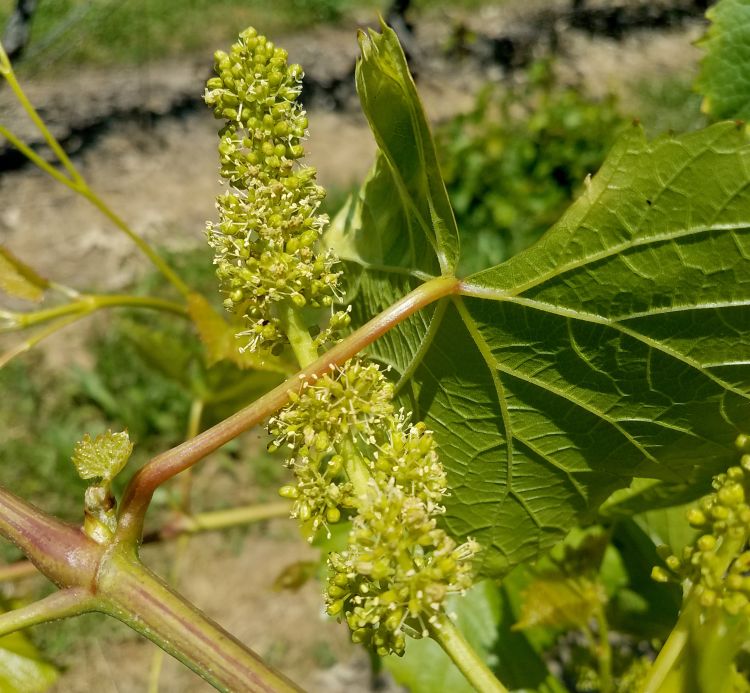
113	32
110	32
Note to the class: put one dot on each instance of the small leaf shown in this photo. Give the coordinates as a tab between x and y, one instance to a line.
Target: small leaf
18	279
102	457
21	668
219	338
724	79
560	602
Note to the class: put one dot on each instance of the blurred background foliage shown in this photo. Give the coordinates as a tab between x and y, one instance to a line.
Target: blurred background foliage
518	158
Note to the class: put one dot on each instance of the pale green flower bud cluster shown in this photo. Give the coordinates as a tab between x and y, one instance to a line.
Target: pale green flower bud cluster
342	407
717	564
397	571
352	402
400	566
267	237
409	458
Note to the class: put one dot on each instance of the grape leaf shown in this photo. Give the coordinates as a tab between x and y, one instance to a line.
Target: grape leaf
219	338
617	346
392	106
724	78
372	235
103	456
18	279
21	668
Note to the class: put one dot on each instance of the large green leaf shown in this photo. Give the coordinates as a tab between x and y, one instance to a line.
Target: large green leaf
617	346
724	79
392	106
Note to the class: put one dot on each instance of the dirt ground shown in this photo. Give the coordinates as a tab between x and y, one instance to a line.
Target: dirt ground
161	176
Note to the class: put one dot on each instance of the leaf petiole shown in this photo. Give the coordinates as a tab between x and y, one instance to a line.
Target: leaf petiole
61	604
449	637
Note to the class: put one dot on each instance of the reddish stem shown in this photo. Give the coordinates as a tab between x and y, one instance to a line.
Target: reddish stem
60	551
163	467
132	593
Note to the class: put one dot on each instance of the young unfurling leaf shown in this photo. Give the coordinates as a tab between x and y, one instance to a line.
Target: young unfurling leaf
102	457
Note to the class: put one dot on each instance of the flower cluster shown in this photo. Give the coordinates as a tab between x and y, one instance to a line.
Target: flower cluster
397	570
353	453
718	563
266	240
341	408
354	401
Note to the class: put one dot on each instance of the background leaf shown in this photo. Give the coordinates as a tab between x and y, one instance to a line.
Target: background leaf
18	279
724	79
485	616
21	668
559	601
642	607
219	338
